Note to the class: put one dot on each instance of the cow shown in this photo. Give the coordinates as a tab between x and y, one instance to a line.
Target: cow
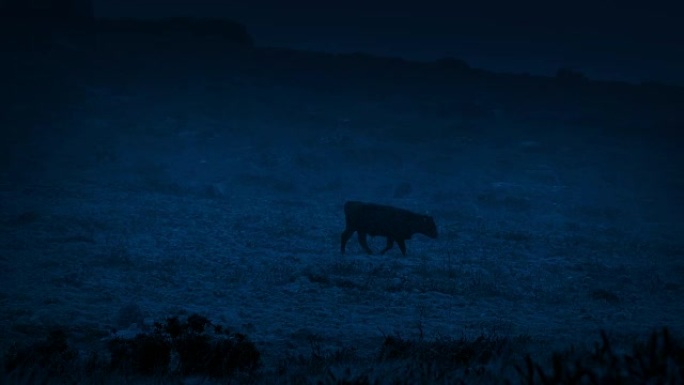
396	224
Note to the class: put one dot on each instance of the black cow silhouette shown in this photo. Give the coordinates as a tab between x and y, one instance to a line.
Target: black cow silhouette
396	224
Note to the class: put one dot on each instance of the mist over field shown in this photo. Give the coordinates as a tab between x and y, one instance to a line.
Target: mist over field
152	170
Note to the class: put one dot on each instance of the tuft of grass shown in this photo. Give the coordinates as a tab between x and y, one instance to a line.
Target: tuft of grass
52	356
658	360
463	352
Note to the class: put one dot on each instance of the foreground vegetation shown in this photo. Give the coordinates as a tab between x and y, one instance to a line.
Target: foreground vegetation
180	349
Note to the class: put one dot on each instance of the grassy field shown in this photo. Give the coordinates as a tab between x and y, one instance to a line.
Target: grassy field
138	185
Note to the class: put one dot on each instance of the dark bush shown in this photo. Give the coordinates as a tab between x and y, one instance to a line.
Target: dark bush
232	354
52	356
173	327
195	351
215	354
144	354
202	348
198	323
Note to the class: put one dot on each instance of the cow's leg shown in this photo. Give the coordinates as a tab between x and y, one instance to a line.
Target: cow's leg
346	234
364	242
390	243
402	246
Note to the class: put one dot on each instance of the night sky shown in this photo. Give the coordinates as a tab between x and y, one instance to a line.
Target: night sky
608	40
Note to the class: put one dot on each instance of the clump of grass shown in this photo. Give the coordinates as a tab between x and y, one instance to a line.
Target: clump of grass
658	360
201	348
317	367
461	352
404	361
52	357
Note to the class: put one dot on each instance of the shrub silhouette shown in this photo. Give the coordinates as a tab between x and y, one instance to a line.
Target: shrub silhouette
201	347
144	354
52	356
